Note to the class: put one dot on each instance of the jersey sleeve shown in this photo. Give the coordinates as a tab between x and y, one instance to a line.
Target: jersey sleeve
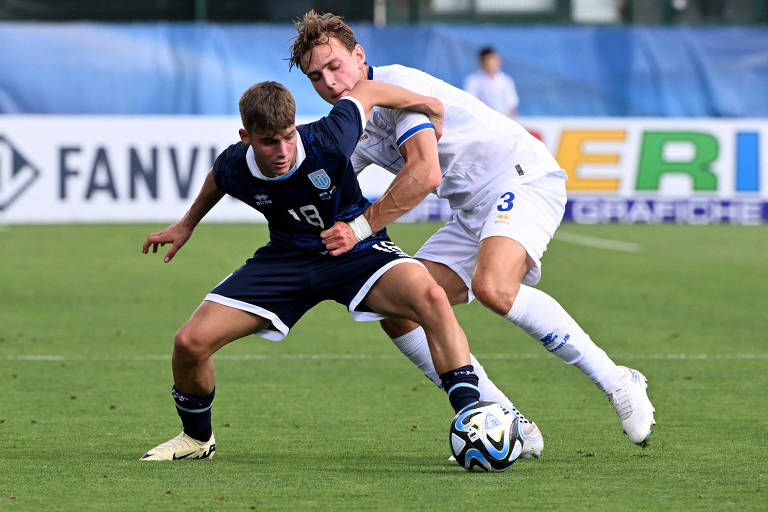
221	167
345	124
407	124
359	162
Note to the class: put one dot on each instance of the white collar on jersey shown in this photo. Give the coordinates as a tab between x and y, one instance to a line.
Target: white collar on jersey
254	167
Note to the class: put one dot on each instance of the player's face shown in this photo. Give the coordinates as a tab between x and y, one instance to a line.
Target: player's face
275	153
334	70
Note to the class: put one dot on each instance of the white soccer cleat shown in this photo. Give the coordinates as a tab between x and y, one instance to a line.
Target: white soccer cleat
182	447
533	442
630	401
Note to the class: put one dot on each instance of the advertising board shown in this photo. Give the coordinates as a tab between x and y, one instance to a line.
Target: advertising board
56	169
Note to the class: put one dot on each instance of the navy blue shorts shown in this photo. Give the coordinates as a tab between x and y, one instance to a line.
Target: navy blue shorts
281	283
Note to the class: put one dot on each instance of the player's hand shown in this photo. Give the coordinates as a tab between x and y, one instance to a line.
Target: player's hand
338	239
435	115
176	234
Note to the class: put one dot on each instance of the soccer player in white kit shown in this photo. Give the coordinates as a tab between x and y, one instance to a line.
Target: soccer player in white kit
508	194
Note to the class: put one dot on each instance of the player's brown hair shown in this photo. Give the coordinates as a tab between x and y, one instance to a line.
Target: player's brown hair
267	107
314	29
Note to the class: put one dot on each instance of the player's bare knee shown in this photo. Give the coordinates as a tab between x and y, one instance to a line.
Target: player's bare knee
188	347
495	295
437	299
432	305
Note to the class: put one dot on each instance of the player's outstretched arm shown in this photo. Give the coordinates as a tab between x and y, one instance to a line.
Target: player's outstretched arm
179	232
418	177
372	93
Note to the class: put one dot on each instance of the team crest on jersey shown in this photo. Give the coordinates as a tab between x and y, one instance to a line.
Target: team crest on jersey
378	120
320	179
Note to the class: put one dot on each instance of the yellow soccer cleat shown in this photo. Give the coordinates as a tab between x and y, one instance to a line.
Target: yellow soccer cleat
182	447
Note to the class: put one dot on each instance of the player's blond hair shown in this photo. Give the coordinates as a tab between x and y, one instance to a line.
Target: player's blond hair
267	107
314	29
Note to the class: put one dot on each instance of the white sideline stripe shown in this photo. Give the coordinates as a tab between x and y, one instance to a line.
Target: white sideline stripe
597	243
375	357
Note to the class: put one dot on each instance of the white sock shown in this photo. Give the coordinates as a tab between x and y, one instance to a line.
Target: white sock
414	346
543	318
488	390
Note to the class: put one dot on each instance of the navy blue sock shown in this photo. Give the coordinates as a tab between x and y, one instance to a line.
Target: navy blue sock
461	385
195	413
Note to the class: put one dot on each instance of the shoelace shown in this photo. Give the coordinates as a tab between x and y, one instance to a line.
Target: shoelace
176	441
520	417
621	402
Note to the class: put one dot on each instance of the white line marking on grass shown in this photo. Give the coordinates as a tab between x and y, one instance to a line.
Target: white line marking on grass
688	357
597	243
374	357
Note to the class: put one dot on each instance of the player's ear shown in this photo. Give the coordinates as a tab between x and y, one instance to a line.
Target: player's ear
359	55
244	136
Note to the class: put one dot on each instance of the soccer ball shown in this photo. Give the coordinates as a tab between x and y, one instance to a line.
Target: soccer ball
486	436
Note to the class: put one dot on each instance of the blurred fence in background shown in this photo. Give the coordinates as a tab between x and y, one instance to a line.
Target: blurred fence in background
398	11
190	68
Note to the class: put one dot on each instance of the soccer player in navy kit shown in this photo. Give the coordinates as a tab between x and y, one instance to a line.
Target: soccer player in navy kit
301	179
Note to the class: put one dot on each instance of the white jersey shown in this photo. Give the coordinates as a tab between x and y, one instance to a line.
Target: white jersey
479	147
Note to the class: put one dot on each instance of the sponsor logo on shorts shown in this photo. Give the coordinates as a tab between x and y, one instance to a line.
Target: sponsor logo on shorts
387	246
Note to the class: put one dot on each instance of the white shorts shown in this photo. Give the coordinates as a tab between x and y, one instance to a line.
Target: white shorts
528	213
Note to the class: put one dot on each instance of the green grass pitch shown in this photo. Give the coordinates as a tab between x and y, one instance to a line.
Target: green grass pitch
333	418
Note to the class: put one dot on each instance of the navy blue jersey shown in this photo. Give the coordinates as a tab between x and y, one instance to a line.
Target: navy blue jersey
321	189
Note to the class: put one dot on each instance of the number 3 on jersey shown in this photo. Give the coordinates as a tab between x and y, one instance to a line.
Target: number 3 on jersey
311	215
505	202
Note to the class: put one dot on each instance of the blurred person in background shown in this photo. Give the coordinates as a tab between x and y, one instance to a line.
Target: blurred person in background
491	85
